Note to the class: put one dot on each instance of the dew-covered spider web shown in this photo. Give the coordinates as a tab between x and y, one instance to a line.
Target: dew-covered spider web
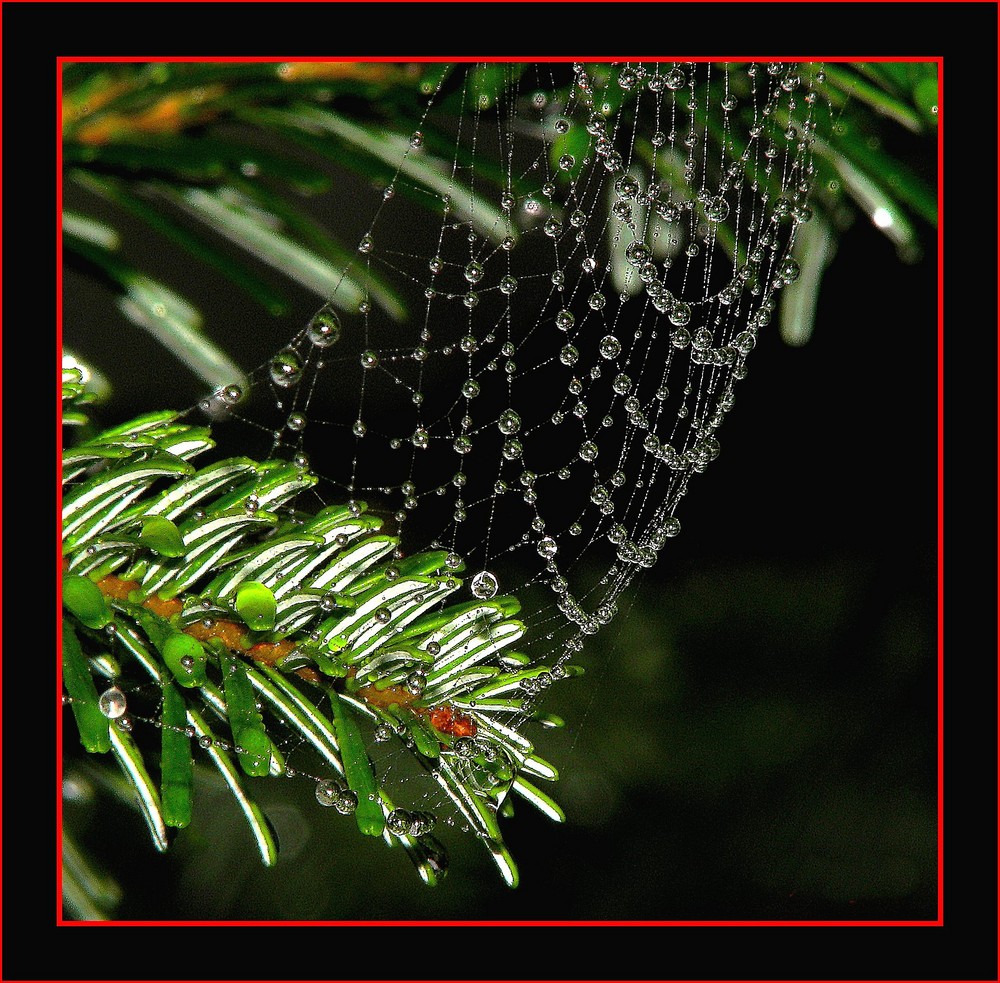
561	272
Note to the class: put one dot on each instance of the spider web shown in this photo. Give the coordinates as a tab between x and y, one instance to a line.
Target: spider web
557	288
588	253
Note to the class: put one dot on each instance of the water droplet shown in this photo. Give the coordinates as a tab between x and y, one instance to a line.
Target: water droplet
359	429
627	78
327	792
507	201
366	244
626	187
565	319
470	389
675	79
680	313
383	615
416	139
347	802
547	548
398	822
462	445
788	270
622	384
471	299
512	449
369	359
112	703
610	346
324	328
296	421
484	585
420	438
588	451
566	162
569	355
416	682
474	272
436	264
716	209
509	422
508	285
286	368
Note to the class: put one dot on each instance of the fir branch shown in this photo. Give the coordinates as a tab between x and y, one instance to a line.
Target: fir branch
251	614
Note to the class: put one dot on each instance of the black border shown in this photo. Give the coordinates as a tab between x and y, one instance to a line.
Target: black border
965	947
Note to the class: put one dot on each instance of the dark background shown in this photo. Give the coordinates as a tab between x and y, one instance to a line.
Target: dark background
783	767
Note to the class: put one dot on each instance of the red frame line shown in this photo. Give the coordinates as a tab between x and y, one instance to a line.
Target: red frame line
939	921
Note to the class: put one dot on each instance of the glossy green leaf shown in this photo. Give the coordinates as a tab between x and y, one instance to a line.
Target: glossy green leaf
161	536
301	713
244	718
176	767
129	758
260	826
539	800
424	736
256	605
90	722
481	814
357	769
185	658
83	598
91	506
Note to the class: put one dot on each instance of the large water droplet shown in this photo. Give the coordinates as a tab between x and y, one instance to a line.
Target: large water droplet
565	319
680	313
286	368
716	209
547	548
327	792
324	328
484	585
610	346
509	422
112	703
675	79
